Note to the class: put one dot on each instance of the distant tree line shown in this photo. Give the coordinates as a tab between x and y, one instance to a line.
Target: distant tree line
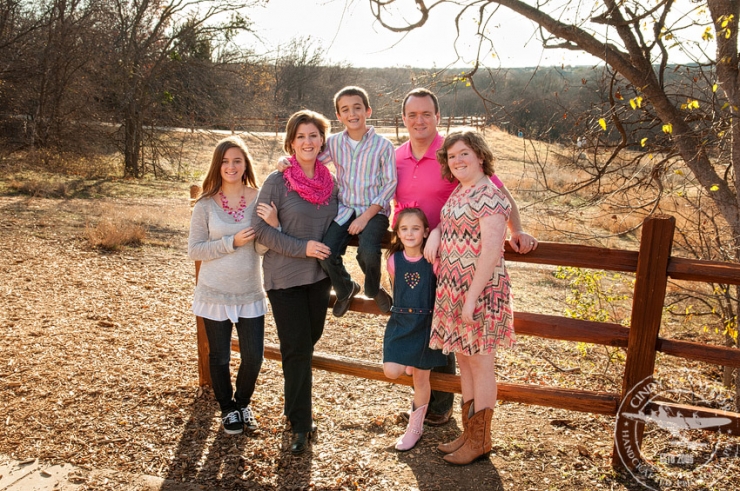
86	75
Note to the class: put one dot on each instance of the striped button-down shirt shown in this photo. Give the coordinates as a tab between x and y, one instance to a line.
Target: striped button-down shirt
366	173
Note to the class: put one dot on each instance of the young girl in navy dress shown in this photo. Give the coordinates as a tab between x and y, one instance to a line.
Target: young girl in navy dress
406	342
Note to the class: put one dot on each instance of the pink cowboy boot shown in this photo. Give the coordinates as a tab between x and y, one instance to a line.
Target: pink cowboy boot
414	429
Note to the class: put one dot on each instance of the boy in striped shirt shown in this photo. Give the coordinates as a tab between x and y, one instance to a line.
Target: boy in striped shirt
366	175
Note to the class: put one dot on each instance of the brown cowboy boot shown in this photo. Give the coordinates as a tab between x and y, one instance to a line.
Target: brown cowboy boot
478	442
467	411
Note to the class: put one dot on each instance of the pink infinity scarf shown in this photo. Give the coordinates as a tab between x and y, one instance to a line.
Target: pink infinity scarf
317	190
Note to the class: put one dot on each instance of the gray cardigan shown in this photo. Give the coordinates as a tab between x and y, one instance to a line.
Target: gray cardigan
228	275
285	265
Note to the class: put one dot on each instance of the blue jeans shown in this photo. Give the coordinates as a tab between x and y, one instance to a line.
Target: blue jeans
368	255
251	334
300	313
441	402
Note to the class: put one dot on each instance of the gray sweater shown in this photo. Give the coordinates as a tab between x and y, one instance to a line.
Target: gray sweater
285	264
228	275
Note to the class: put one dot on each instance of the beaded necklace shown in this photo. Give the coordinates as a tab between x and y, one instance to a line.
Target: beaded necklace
237	213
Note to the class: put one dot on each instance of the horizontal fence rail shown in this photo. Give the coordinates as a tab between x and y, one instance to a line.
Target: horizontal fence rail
652	265
277	124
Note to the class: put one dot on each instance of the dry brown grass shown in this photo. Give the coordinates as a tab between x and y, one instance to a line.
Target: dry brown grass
112	234
39	188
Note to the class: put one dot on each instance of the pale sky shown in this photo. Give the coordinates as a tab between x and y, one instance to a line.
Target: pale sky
346	28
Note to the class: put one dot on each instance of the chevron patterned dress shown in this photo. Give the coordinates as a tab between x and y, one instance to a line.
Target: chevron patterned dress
459	251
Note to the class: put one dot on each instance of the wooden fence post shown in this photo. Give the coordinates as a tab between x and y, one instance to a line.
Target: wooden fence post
396	127
204	371
651	279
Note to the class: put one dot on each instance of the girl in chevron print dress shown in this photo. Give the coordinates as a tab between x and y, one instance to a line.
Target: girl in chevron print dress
473	313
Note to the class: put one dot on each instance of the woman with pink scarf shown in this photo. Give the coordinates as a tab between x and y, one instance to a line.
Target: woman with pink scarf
304	197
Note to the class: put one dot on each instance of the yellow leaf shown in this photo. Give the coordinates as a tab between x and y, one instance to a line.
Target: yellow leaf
643	141
602	123
678	172
467	84
632	103
725	105
714	88
668	128
727	33
714	188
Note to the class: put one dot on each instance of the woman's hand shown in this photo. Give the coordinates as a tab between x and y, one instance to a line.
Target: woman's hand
431	250
468	310
243	237
317	249
268	213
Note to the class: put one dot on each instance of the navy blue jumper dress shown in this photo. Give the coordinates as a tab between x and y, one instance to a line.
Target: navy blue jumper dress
407	333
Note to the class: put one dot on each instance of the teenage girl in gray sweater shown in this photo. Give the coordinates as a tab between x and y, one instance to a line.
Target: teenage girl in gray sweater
229	290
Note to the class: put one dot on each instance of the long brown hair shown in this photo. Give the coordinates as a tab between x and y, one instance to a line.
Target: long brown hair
212	182
396	244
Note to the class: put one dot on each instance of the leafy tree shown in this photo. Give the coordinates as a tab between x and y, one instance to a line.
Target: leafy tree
677	114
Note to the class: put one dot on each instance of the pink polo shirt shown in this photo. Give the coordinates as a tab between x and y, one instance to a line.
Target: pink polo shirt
421	181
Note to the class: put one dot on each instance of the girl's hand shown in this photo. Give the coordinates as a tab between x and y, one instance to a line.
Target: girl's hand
431	250
468	310
282	164
317	249
243	237
268	213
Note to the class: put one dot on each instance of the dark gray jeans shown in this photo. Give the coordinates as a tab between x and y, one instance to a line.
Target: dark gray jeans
299	314
251	334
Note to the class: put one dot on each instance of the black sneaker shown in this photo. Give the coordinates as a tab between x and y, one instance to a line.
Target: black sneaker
342	306
232	421
249	420
384	301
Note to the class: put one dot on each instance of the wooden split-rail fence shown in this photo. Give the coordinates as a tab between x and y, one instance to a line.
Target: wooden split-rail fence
277	124
653	265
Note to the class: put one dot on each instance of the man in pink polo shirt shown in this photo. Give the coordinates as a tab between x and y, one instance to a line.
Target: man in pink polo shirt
420	182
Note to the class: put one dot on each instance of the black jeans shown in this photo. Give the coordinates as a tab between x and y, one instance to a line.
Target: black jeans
441	402
251	334
368	255
299	314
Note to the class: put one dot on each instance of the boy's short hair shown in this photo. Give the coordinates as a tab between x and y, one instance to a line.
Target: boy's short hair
420	92
351	90
305	116
475	142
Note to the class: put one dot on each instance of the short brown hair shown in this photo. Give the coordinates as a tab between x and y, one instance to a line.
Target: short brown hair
420	92
351	90
212	182
477	144
305	116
